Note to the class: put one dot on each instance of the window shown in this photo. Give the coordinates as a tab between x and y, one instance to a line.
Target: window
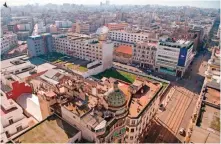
132	130
131	137
19	128
10	121
133	121
7	134
127	129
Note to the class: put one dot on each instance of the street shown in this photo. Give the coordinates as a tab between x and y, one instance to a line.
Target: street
179	105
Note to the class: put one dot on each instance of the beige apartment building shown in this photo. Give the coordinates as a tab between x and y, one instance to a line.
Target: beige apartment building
144	53
85	47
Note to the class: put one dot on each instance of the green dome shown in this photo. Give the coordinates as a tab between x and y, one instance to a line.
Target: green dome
116	98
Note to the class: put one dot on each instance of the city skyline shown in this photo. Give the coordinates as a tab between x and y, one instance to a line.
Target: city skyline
196	3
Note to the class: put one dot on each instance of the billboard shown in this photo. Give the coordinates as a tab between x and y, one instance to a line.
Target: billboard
182	57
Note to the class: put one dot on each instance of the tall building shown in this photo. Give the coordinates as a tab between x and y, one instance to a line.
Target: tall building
39	45
174	57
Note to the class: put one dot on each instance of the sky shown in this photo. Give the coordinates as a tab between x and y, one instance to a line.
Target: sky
197	3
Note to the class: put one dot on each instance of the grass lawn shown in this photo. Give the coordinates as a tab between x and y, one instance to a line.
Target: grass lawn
82	69
52	56
118	74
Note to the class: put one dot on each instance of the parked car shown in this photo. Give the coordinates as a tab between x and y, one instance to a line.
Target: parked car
182	131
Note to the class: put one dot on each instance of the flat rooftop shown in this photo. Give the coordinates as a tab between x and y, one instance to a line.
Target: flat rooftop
211	119
40	65
142	97
200	135
213	96
52	130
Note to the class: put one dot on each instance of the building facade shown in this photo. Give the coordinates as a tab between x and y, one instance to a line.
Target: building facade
84	47
174	57
8	41
126	36
13	120
116	26
81	27
123	54
39	45
213	71
144	53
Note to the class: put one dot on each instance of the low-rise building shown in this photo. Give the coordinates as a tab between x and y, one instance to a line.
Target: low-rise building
13	121
173	57
53	129
116	26
144	53
104	111
123	54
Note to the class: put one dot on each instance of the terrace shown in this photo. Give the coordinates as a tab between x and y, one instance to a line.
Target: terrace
67	62
143	96
52	130
212	96
118	74
77	106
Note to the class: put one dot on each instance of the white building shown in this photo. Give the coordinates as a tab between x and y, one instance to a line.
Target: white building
84	47
13	121
174	57
8	41
127	36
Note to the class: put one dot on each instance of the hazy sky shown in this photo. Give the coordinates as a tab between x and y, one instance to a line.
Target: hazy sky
197	3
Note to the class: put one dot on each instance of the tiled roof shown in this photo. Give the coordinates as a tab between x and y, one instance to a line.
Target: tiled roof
124	49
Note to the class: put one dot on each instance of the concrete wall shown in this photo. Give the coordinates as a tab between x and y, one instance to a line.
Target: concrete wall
107	54
78	123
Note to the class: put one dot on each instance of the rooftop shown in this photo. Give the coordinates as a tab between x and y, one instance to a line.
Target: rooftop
143	96
77	106
213	96
200	135
124	49
34	63
52	130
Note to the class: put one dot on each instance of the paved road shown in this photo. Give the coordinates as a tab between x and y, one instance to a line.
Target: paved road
184	94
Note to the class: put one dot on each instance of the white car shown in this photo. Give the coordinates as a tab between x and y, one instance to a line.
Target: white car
182	131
